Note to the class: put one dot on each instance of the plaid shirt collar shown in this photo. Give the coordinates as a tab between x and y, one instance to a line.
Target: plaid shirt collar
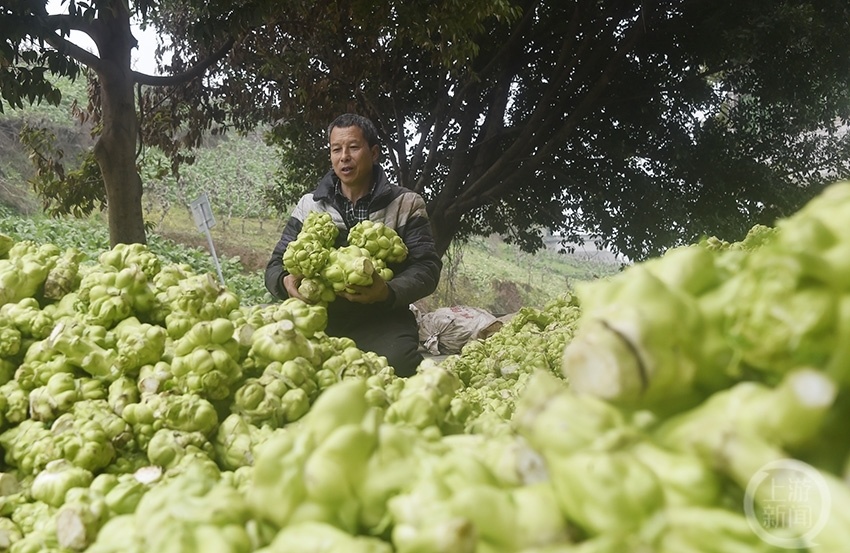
353	212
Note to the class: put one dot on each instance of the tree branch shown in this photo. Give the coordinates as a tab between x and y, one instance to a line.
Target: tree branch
193	72
59	24
439	123
68	48
510	45
492	182
489	187
62	22
592	97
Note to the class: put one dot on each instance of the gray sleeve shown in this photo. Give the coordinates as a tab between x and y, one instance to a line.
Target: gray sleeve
419	275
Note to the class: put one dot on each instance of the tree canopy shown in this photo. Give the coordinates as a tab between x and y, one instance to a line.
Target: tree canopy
644	124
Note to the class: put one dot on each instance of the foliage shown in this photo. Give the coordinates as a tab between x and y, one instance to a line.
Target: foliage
644	125
77	192
73	93
234	171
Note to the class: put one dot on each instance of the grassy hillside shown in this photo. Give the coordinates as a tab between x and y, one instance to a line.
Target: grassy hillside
71	138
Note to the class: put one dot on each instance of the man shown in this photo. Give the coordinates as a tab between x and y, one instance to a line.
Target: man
377	317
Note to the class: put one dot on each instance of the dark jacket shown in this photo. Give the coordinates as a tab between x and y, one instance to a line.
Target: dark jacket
397	207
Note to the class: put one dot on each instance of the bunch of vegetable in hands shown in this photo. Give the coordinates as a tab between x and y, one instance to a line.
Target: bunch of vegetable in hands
325	271
308	253
379	240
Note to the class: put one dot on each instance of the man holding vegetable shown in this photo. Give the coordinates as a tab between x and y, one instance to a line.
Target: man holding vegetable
376	316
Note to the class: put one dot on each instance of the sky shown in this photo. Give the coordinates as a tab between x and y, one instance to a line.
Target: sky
142	57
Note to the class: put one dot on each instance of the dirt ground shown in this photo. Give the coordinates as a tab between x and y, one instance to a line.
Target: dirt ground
252	258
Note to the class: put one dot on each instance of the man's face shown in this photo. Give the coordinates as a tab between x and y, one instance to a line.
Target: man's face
351	156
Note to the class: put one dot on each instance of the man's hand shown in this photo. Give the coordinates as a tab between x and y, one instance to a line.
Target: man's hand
377	292
291	283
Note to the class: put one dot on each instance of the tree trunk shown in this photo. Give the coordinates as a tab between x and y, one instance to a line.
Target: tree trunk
115	150
443	229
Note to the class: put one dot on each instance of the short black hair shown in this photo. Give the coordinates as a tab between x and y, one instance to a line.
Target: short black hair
370	132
